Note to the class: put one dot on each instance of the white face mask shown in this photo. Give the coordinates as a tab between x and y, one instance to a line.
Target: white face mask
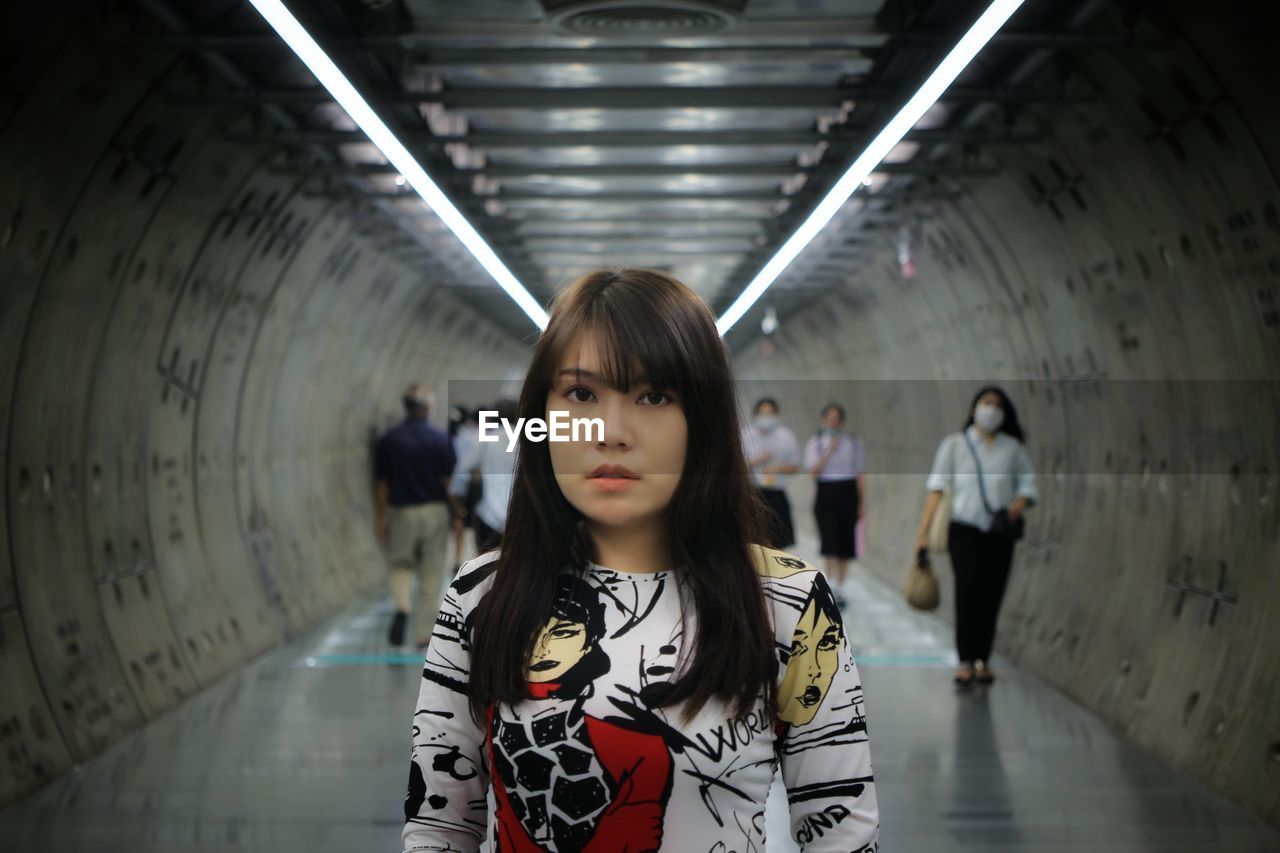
988	417
766	423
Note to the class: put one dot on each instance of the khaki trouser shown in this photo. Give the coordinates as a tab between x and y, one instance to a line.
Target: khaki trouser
416	542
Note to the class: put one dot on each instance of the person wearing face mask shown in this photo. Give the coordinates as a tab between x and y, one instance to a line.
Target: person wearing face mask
772	450
992	484
837	462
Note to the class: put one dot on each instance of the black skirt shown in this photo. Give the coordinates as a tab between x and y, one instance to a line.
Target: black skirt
475	491
778	528
836	511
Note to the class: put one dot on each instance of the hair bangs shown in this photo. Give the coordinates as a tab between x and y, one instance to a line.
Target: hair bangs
635	344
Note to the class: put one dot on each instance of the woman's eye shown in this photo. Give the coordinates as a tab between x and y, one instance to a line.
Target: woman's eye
654	398
578	394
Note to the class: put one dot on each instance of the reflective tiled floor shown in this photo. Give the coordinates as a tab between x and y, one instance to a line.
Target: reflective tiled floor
306	750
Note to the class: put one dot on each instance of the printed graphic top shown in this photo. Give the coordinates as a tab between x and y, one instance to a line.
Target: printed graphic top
589	763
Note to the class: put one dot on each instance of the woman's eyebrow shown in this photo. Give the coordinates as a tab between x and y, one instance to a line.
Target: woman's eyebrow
578	372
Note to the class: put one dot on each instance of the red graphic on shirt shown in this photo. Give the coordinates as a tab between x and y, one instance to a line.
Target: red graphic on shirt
638	775
564	780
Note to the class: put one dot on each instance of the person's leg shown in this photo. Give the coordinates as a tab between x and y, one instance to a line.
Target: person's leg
400	580
458	532
487	539
434	521
773	521
825	520
787	530
997	558
962	546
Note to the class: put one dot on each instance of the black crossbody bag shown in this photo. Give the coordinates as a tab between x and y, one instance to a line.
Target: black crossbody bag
1001	524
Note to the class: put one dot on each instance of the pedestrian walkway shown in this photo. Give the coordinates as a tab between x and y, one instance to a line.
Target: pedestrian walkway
306	750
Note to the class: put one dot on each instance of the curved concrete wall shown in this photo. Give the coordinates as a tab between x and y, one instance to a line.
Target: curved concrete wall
1121	281
193	359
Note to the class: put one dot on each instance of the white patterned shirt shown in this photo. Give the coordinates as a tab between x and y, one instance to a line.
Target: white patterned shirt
591	762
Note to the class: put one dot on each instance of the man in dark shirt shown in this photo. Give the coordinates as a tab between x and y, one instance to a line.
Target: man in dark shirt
412	465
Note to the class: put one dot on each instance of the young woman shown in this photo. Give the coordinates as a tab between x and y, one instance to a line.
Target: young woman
628	671
772	450
988	470
836	460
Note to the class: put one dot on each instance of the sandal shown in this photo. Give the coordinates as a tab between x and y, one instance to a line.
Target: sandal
983	675
964	677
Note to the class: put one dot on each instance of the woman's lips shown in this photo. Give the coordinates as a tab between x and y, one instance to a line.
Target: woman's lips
811	696
612	484
612	478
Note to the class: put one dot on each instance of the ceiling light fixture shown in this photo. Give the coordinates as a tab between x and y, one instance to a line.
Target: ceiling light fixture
916	106
333	80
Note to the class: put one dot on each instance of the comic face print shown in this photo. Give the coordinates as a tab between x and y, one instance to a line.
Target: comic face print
813	657
561	646
567	781
566	658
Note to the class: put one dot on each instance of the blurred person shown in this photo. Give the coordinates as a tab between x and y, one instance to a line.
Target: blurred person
412	464
992	483
466	485
772	450
837	462
489	462
630	640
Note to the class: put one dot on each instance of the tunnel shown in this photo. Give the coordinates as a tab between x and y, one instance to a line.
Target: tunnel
214	287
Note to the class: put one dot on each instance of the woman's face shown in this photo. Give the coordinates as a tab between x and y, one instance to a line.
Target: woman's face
991	398
563	643
815	654
629	478
831	419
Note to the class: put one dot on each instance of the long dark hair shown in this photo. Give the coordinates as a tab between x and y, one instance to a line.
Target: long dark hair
652	327
1010	425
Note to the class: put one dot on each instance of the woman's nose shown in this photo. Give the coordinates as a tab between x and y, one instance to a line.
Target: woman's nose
617	422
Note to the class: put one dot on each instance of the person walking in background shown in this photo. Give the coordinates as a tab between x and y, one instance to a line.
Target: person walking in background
491	464
465	487
772	450
412	465
992	484
836	460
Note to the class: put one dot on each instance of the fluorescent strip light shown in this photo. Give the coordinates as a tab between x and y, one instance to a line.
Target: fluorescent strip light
943	76
319	63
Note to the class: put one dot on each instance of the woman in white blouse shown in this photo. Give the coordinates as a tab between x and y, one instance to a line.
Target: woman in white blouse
992	484
837	461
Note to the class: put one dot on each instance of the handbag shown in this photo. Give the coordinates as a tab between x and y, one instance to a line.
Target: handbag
1001	524
936	538
922	583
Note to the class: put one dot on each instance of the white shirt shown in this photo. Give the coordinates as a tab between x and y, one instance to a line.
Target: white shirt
497	468
780	443
587	762
846	463
1006	474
